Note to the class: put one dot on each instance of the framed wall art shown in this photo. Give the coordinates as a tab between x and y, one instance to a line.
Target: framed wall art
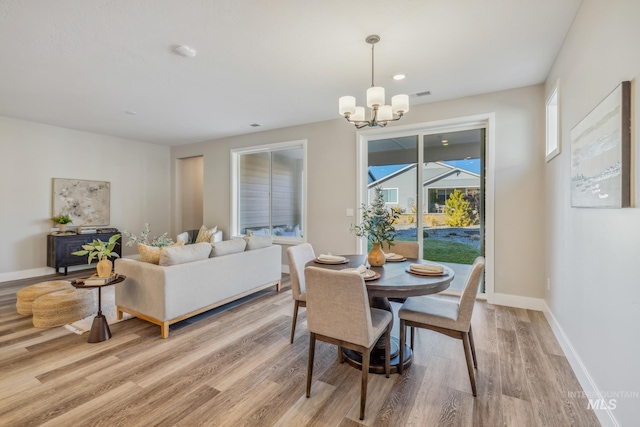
600	153
86	202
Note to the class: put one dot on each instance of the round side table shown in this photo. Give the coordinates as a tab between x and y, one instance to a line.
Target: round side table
100	328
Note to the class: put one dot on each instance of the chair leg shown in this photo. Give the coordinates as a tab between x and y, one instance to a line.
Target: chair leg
413	336
366	356
340	355
312	350
403	339
467	354
295	319
387	352
473	348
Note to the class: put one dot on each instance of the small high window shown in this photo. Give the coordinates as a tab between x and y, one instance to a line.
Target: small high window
553	124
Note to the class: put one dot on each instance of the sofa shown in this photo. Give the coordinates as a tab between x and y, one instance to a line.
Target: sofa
166	294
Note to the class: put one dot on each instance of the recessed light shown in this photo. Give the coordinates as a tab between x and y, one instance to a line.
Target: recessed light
399	77
133	113
425	93
253	125
186	51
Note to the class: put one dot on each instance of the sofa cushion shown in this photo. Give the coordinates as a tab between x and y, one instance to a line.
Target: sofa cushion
257	242
205	234
228	247
151	254
182	254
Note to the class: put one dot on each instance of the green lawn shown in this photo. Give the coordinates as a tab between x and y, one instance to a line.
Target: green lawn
443	251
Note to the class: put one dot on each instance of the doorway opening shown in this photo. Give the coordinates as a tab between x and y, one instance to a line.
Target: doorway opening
189	197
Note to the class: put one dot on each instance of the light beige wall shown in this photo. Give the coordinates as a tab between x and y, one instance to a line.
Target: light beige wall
31	154
592	254
332	179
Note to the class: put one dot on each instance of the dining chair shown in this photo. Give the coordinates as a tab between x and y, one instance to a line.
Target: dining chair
446	317
338	312
405	249
298	256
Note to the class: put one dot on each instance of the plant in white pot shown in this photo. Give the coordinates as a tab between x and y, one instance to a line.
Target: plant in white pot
377	226
62	221
102	251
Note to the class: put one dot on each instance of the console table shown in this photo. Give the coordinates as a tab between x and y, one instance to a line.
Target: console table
59	249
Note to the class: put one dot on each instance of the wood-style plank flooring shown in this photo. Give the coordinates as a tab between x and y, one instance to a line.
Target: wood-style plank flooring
235	367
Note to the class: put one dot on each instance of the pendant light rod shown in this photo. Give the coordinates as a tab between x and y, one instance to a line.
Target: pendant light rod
372	40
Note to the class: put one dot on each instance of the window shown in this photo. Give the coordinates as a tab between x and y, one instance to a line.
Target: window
553	124
390	196
268	194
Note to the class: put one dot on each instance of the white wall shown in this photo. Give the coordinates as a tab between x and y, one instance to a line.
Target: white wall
332	179
31	154
593	254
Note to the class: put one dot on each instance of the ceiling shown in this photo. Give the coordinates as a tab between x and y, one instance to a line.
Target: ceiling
85	64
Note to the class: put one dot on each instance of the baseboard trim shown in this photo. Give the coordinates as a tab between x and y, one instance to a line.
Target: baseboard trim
605	415
517	301
25	274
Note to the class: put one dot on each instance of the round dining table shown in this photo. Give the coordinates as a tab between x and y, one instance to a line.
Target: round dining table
395	282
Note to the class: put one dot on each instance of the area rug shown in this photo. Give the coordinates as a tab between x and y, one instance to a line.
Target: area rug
108	310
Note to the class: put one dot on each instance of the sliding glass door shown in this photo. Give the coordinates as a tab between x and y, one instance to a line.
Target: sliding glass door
436	182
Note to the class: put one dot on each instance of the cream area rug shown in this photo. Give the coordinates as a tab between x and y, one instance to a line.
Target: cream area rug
108	310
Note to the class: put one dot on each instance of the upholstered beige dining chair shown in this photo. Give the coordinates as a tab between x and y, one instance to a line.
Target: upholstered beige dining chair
338	312
405	249
298	256
447	317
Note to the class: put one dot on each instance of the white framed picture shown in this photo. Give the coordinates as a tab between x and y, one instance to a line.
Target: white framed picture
86	202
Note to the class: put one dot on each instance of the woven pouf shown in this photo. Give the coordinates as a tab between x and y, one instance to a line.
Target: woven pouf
62	307
27	295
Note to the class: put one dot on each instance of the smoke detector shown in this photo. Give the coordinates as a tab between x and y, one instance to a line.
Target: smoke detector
186	51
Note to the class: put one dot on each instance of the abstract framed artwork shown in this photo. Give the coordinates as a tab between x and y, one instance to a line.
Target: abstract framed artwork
86	202
601	153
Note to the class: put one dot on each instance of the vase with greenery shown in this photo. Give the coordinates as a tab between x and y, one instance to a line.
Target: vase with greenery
377	226
158	241
101	251
62	221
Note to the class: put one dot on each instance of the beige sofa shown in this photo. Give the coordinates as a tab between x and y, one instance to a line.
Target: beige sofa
166	295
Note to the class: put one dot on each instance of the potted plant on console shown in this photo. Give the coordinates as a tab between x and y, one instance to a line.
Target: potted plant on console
62	221
102	251
377	226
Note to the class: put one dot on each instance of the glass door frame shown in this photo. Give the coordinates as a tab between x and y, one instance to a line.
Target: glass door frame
486	121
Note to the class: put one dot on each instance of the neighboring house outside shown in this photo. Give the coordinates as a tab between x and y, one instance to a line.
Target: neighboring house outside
439	181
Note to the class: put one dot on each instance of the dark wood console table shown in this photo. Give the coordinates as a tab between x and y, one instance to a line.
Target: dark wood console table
59	249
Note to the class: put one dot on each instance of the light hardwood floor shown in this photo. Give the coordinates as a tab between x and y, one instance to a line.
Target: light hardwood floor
235	367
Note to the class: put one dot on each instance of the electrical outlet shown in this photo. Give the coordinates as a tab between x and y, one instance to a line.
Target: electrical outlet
349	212
548	284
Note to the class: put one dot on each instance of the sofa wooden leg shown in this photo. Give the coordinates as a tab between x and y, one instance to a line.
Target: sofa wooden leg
119	313
278	286
165	329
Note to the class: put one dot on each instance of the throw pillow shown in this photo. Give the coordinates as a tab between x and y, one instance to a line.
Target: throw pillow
184	237
204	235
151	254
228	247
257	242
174	255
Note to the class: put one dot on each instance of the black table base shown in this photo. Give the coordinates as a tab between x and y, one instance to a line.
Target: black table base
376	364
99	329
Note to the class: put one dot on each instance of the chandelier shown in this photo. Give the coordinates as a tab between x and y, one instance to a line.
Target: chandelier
381	114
